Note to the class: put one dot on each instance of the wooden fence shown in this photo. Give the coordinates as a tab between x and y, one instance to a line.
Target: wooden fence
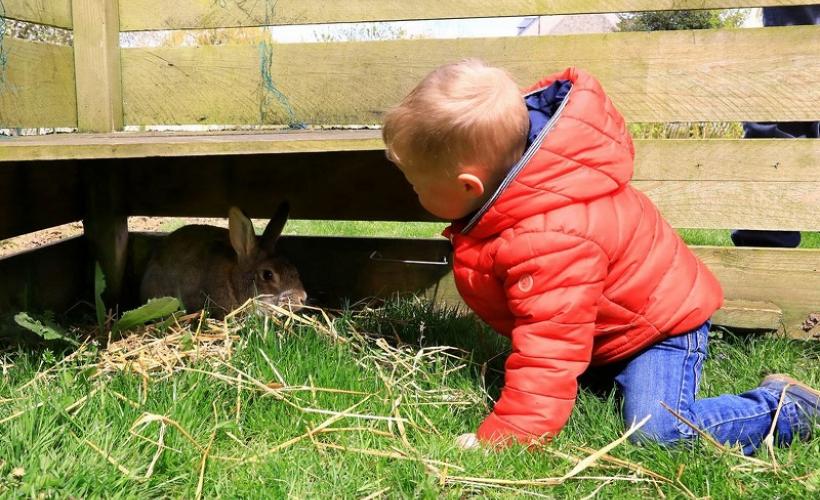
763	74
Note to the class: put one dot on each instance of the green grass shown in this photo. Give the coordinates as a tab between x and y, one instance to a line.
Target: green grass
714	237
437	399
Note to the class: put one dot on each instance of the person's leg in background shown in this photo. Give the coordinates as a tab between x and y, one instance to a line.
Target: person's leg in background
779	16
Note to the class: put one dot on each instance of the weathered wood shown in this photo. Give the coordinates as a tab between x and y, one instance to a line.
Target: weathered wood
337	186
761	160
683	177
751	315
161	14
788	278
760	284
165	144
702	75
51	12
38	195
51	278
97	65
105	222
765	288
673	159
363	185
99	109
36	85
730	204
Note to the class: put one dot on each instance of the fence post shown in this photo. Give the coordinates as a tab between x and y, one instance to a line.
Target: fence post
99	109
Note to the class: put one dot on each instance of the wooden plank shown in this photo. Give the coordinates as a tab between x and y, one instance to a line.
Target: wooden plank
336	186
703	75
38	195
771	289
99	109
51	12
750	314
36	85
105	222
773	160
788	278
51	278
206	186
681	176
728	160
143	145
730	204
97	65
160	14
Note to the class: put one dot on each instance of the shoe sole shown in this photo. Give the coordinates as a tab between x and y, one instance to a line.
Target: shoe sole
788	383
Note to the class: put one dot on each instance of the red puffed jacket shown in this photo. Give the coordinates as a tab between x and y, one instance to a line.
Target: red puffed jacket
573	263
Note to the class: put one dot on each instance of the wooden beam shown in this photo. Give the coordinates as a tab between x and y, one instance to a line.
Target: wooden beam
340	186
730	204
363	185
38	195
759	283
758	160
771	289
775	160
50	12
51	278
105	222
36	85
161	14
167	144
701	75
99	109
787	278
97	65
681	176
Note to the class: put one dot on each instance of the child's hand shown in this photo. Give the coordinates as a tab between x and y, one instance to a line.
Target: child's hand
467	441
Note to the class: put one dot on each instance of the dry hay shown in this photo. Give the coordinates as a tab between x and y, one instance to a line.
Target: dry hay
154	349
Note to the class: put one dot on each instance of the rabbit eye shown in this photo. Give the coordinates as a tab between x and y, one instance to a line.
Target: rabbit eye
267	275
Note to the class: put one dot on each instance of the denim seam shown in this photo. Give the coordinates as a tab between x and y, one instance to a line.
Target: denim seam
684	429
745	417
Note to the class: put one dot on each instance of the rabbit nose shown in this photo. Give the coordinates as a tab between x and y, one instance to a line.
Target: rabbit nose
293	296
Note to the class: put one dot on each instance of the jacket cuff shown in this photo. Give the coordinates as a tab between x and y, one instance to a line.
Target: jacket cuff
497	432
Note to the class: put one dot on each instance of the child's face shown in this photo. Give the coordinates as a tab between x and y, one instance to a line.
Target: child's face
446	196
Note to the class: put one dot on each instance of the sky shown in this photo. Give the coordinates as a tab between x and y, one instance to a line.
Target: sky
449	28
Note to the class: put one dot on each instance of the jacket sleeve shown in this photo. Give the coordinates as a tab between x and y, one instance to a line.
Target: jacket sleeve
553	282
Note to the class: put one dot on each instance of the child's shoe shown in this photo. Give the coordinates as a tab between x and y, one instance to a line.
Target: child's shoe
806	398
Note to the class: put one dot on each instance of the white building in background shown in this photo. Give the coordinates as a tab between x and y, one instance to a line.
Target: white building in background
564	25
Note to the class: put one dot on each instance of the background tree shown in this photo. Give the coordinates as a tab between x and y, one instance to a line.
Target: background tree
682	20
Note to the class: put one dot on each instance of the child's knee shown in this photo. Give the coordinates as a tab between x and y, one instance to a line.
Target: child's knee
663	431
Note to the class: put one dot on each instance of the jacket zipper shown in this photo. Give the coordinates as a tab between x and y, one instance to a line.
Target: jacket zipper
535	146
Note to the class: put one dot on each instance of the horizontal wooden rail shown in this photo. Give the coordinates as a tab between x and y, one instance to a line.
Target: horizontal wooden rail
38	195
717	184
788	278
162	14
37	85
764	288
705	75
50	12
759	160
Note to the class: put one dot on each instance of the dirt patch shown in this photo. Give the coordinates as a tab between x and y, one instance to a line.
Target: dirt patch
135	224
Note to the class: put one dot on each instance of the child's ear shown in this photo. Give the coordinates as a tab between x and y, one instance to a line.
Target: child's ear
472	184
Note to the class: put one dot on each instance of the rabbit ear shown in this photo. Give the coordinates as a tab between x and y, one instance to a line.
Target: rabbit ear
243	237
275	226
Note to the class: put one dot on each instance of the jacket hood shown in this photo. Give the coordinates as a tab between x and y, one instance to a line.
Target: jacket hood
582	153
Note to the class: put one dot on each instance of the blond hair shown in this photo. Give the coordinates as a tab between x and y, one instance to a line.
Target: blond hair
464	113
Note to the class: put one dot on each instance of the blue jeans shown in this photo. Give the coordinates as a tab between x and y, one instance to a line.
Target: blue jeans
670	372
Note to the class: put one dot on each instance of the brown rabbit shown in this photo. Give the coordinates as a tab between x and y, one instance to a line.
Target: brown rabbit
207	264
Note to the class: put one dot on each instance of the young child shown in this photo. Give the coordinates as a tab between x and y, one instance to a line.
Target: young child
554	248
